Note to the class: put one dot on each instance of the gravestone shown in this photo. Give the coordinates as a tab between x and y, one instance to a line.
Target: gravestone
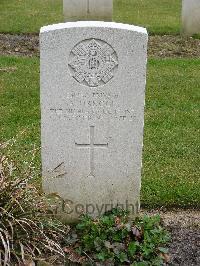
190	17
75	10
92	105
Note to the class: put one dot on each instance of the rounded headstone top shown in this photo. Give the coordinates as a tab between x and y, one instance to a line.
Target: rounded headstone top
94	24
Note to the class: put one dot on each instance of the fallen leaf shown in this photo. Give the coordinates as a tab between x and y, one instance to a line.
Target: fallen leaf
117	220
73	256
165	256
136	232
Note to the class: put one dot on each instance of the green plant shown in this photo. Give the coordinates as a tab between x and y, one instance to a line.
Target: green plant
27	231
114	240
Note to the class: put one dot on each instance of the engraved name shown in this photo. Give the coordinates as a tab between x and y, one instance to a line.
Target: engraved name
92	106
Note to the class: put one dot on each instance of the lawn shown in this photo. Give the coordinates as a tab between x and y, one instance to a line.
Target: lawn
25	16
171	139
158	16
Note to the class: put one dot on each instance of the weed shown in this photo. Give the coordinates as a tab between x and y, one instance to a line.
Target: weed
27	230
113	239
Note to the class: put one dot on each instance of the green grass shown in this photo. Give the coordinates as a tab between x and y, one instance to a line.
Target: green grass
19	108
25	16
171	139
22	16
171	142
158	16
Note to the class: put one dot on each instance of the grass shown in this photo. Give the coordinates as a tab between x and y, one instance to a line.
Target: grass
171	139
19	107
25	16
159	17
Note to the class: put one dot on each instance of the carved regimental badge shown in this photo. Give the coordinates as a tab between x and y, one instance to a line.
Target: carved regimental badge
93	62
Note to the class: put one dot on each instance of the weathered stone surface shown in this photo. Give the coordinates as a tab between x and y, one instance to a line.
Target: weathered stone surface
76	10
190	17
92	104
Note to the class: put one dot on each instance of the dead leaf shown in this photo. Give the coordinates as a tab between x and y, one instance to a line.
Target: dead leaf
117	220
165	256
73	256
136	232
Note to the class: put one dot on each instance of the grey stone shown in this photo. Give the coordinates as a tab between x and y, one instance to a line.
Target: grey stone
93	77
75	10
190	17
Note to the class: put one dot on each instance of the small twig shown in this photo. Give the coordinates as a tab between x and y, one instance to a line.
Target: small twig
89	258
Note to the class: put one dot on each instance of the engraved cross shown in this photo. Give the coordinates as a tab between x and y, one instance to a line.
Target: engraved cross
92	145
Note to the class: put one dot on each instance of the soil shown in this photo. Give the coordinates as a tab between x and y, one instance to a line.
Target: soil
159	46
19	45
184	226
173	46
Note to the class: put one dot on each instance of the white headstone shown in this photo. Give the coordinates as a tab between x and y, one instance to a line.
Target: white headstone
92	104
76	10
191	17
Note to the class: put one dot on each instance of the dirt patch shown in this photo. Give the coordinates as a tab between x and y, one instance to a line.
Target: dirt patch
173	46
20	45
159	46
184	227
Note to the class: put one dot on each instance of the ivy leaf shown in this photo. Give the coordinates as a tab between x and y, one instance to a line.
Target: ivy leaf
163	250
101	256
140	264
108	245
132	248
128	227
123	257
106	220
